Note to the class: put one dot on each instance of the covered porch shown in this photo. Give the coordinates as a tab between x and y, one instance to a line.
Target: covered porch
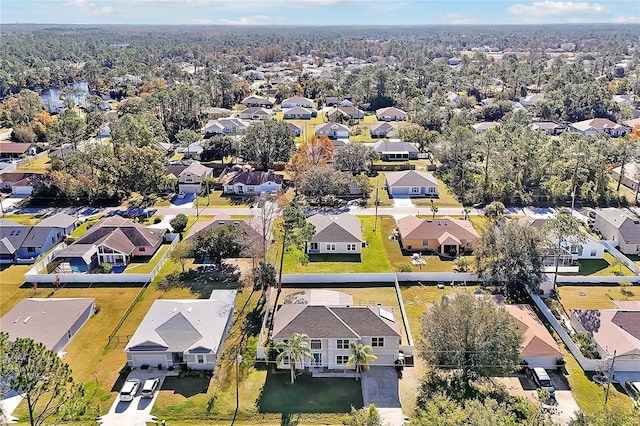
449	245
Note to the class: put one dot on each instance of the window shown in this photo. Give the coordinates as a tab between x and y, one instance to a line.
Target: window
432	189
142	248
343	344
313	246
351	247
316	344
31	249
593	253
188	179
200	359
377	342
415	189
342	359
468	243
331	247
425	243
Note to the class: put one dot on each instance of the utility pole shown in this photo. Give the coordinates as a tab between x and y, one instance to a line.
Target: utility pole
609	379
375	222
238	361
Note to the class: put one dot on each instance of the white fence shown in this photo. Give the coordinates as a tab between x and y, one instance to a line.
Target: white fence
377	277
621	257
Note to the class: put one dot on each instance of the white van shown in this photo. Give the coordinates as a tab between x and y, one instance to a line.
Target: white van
129	390
149	388
542	379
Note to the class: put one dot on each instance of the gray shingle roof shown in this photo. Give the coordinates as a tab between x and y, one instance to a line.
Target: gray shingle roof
336	229
395	147
58	220
410	178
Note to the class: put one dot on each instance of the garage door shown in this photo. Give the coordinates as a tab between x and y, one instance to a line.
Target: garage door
191	189
399	190
150	360
22	190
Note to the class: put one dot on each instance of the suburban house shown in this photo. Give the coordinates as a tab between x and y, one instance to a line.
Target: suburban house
182	333
620	227
114	240
258	101
191	151
391	114
531	99
255	113
614	331
551	128
215	112
336	100
252	228
16	150
599	125
225	126
396	151
332	329
630	178
299	113
381	130
335	234
20	183
192	177
294	129
632	123
484	126
51	321
332	130
441	235
251	182
350	112
297	101
24	244
63	221
412	183
539	348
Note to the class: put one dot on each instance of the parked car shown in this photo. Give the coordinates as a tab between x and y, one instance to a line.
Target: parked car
542	379
633	387
129	390
149	388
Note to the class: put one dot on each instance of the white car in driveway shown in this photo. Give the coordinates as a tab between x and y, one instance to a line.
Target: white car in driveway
129	390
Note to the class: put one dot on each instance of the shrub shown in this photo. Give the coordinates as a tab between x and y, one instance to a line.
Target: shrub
405	268
179	223
157	219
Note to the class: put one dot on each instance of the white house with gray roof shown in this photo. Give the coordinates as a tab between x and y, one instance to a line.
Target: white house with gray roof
412	183
182	332
621	227
335	234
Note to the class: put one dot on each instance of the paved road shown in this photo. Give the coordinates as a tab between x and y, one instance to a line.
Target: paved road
380	387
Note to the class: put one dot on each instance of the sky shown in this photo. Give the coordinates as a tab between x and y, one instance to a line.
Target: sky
318	12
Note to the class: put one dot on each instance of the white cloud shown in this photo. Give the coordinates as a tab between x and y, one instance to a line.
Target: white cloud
386	7
628	19
201	21
247	20
87	7
457	19
567	10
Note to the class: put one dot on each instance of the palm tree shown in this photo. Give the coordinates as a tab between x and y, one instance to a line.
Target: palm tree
360	356
434	209
294	351
465	212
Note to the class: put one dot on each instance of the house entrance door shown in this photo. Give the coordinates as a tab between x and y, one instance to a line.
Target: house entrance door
317	358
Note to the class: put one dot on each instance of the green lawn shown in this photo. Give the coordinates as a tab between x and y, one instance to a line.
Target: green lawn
39	165
80	230
219	199
26	218
145	266
446	198
11	278
602	267
592	297
382	194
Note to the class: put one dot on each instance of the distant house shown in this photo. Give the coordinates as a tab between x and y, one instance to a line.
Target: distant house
65	222
412	183
531	99
252	228
215	112
391	114
192	178
114	240
297	101
615	332
255	113
539	348
51	321
182	333
484	126
339	234
19	183
294	129
332	130
381	130
599	125
629	179
396	151
299	113
24	244
251	182
620	227
632	123
192	151
225	126
16	150
55	106
442	235
350	112
332	329
331	100
551	128
258	101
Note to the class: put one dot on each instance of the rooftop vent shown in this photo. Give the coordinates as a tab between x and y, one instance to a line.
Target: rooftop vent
26	320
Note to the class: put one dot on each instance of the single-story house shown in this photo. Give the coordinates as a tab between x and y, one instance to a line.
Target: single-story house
412	183
332	130
551	128
381	130
65	222
613	331
182	332
299	113
258	101
539	348
51	321
396	151
297	101
336	100
225	126
16	150
252	182
19	183
252	228
255	113
335	234
114	240
215	112
191	151
12	235
531	99
332	329
294	129
24	244
484	126
599	125
632	123
391	114
346	111
55	106
192	178
620	227
630	178
442	235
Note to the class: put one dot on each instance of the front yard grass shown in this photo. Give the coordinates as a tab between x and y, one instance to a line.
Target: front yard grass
446	198
219	199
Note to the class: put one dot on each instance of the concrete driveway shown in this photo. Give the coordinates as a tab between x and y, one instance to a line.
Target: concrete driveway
402	201
380	387
138	411
566	404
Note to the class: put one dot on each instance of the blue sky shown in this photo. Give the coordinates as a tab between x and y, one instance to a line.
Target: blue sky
317	12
